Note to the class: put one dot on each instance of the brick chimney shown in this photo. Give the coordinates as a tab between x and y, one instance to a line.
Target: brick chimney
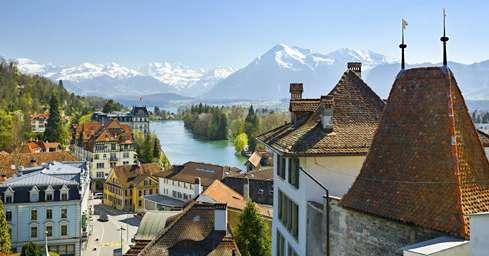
246	188
220	217
326	106
296	90
355	67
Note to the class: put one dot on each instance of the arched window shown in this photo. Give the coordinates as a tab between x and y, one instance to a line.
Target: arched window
49	193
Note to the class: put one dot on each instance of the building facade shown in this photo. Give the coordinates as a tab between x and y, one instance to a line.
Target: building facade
38	122
48	200
104	146
321	150
137	119
127	185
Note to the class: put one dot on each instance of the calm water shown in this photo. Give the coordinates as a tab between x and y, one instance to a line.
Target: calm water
180	146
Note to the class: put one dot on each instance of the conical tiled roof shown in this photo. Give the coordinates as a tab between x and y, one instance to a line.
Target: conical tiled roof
426	165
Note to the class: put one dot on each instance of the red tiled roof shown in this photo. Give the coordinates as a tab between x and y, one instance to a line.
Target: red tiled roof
484	137
134	174
426	165
356	114
207	172
96	132
10	162
42	116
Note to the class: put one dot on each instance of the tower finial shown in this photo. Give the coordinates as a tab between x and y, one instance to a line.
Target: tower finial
444	39
403	45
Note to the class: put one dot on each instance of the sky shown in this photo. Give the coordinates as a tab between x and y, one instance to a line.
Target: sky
226	33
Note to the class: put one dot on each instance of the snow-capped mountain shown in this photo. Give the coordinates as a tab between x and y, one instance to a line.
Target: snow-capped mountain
113	79
185	80
268	76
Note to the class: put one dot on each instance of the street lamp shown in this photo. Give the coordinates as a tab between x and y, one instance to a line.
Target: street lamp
121	229
46	242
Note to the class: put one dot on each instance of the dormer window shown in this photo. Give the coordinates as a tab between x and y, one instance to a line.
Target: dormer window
64	193
34	194
9	196
49	194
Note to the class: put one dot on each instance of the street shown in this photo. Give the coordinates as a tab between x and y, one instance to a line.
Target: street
108	233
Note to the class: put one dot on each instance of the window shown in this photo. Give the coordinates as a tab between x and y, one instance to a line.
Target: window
64	230
140	203
288	214
125	155
294	172
291	251
95	156
140	193
8	216
34	194
9	196
49	230
281	166
8	199
112	147
33	214
33	232
49	196
100	165
280	244
100	174
64	196
64	213
49	214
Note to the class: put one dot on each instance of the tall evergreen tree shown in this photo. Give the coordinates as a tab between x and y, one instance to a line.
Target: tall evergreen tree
156	147
253	236
251	127
54	126
5	242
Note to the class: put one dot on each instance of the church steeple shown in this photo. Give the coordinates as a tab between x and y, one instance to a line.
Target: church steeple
403	45
444	39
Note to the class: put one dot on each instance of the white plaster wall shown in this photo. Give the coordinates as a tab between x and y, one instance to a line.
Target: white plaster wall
177	186
479	234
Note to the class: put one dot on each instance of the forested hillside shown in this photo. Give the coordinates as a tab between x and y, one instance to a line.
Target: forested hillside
22	95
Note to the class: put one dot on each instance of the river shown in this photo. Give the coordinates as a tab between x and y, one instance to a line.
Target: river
180	146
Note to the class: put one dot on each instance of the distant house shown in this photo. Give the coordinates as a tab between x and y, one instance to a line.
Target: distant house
201	229
48	200
257	160
38	122
10	163
183	183
104	146
256	185
137	119
41	146
127	185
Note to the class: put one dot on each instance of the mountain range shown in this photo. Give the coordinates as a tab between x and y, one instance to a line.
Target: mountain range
265	78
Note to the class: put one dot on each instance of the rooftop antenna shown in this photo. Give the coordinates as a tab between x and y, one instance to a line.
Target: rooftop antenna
403	45
444	39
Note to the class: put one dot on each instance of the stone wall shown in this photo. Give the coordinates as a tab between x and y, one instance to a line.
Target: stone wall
354	233
315	235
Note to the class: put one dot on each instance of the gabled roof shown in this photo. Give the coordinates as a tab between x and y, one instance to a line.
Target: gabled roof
134	174
139	111
356	114
484	137
426	165
153	223
207	172
192	232
218	192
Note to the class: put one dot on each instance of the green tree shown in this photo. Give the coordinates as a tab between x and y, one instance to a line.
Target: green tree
54	129
253	236
111	106
251	127
156	147
31	249
240	142
6	130
5	242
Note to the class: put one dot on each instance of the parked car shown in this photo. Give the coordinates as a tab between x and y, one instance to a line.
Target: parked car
103	217
98	195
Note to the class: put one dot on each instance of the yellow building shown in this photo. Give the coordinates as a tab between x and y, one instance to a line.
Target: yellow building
126	186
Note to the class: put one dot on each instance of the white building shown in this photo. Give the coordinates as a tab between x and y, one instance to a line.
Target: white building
323	146
104	146
38	122
50	198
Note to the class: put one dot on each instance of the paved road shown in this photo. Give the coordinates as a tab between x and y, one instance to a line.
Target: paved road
108	233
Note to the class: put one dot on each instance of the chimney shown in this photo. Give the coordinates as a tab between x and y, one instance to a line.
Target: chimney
197	187
296	90
246	188
220	217
326	106
356	67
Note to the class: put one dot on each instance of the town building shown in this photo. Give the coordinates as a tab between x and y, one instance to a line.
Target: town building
137	119
127	185
38	122
255	185
104	146
182	183
48	200
41	146
201	229
11	162
323	146
257	160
